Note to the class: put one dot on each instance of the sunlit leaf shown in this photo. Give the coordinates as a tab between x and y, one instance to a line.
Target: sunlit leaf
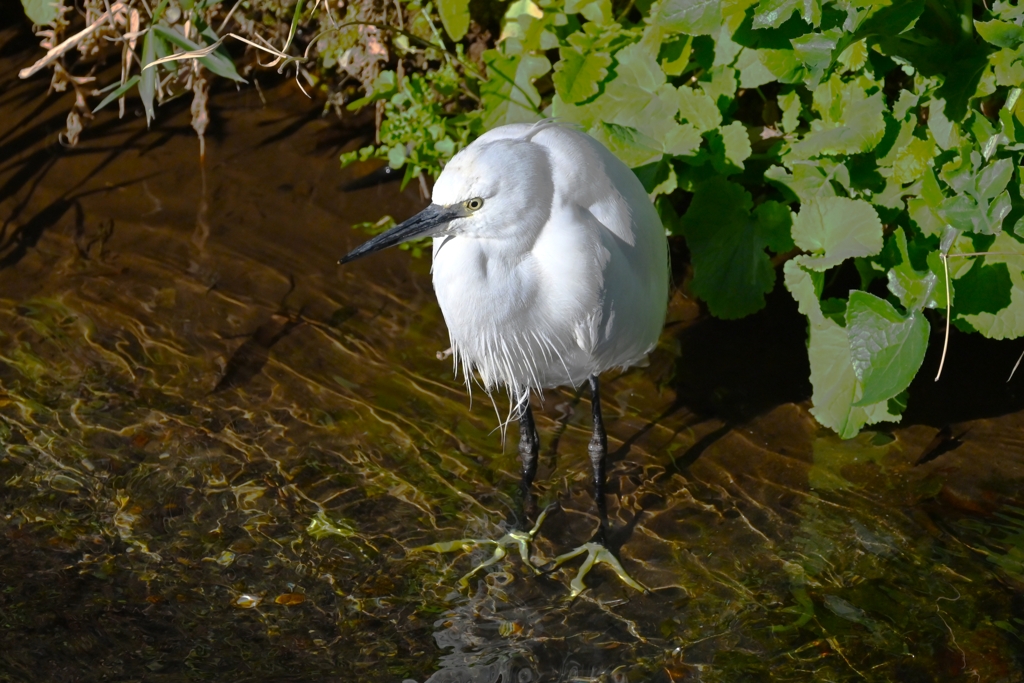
913	160
990	296
835	385
454	17
773	12
510	93
994	178
835	229
577	76
886	348
698	109
693	17
42	12
630	145
912	287
815	51
862	128
784	65
1000	33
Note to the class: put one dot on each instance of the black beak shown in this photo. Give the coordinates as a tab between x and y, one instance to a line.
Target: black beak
429	222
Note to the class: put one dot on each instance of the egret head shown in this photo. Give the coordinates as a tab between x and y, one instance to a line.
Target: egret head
500	189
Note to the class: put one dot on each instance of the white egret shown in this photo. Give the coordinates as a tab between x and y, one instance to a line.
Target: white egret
550	265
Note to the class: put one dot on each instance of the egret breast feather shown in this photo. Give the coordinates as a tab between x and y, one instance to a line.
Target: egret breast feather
569	274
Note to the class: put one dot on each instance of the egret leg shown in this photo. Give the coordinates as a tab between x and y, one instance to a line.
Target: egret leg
597	552
520	537
529	446
598	450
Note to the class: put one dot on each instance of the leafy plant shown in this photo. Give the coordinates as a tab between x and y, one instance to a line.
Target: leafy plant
870	146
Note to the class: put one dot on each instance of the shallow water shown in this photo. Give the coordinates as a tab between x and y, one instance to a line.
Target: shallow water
220	451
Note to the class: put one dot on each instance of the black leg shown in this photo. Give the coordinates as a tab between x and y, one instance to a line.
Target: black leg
596	549
529	446
598	448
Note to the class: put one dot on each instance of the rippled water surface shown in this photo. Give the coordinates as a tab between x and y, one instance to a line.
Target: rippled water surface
219	451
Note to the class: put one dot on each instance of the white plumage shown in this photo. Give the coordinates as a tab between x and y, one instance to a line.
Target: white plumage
550	266
563	271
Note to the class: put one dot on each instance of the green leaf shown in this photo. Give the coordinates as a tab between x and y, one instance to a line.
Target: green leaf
913	160
905	105
1007	67
216	62
753	72
639	105
509	95
912	287
598	11
945	132
125	87
578	76
791	109
720	85
396	156
147	82
42	12
835	229
630	145
730	146
681	141
774	225
999	209
784	65
903	138
674	55
854	57
698	109
815	51
1000	33
981	294
383	87
961	212
835	386
886	348
455	17
890	19
772	13
693	17
806	183
731	270
862	129
800	283
654	174
985	288
994	179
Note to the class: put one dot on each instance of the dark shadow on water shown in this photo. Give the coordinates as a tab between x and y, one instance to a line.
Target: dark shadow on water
683	462
746	367
974	379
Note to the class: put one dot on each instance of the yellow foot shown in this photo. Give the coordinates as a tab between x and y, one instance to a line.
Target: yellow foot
513	539
596	554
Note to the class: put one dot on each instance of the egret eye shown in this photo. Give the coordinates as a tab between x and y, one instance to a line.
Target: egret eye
474	204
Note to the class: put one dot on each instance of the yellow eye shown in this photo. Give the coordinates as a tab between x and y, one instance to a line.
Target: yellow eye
474	204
